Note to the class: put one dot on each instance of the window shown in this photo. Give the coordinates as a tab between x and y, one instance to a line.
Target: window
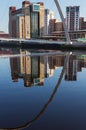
34	24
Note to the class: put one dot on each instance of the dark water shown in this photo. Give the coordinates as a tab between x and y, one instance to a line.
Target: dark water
42	90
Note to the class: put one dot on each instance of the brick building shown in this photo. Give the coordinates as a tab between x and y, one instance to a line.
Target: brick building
28	21
82	24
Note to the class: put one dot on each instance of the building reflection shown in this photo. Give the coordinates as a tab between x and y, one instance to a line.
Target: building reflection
30	69
33	69
71	69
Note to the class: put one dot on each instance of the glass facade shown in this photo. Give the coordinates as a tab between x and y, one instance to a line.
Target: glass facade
35	66
34	24
36	7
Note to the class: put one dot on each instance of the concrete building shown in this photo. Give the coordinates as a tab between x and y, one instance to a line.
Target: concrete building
55	25
28	21
60	35
59	26
49	15
72	17
4	35
52	24
82	24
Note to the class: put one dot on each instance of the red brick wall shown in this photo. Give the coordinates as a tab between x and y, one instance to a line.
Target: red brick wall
13	28
4	35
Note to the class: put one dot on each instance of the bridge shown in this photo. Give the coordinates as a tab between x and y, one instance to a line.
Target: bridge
34	43
38	41
43	44
39	44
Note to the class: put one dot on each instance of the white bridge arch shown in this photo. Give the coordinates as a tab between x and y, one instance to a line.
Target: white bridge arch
63	21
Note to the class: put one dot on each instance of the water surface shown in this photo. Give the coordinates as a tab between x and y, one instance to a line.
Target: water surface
42	90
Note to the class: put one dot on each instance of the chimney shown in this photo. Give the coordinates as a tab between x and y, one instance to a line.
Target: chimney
12	8
25	3
41	3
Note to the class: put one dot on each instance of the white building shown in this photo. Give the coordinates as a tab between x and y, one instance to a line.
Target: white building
48	16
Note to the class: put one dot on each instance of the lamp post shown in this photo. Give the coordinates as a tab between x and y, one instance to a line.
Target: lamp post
63	21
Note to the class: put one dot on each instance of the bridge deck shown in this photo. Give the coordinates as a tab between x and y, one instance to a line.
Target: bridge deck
41	44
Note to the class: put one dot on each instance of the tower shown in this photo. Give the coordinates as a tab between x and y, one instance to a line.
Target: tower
72	17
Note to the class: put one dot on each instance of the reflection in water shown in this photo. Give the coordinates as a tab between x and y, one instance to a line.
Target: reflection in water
30	69
33	70
53	93
44	107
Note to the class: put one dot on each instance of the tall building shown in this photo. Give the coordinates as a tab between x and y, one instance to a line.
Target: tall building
49	15
72	17
28	21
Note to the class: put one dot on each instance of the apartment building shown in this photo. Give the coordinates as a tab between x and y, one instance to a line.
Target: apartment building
72	17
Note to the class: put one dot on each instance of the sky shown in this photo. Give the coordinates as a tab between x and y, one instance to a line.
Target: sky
5	4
